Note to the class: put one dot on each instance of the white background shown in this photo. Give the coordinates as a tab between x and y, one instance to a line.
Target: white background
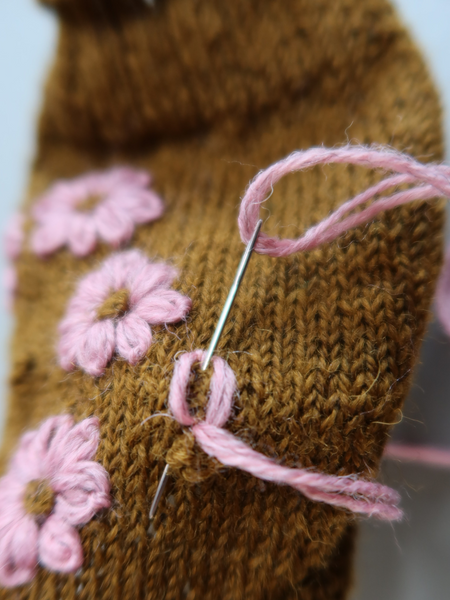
410	561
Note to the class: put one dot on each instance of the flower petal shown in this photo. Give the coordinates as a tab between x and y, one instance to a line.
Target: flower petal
126	177
73	332
118	267
93	289
78	443
148	279
61	197
12	489
60	546
163	306
82	490
18	549
49	446
143	206
133	338
82	237
50	235
30	460
114	225
97	347
27	460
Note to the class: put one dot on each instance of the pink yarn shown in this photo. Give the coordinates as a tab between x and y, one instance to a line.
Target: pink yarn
89	342
428	181
345	492
13	242
125	202
60	454
433	457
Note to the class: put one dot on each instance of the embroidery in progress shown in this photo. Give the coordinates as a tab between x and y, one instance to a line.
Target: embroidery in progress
353	493
52	486
346	492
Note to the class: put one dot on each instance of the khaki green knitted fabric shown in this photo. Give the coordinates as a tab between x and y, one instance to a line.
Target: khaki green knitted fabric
203	95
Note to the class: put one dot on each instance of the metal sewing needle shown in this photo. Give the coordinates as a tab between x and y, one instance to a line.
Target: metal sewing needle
214	341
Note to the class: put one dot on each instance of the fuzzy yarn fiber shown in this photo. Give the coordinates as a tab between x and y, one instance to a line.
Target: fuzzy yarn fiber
204	95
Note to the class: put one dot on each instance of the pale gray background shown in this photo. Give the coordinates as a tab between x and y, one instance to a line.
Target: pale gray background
408	561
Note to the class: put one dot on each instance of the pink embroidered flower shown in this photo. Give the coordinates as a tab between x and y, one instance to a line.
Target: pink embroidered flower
13	241
113	308
52	485
99	206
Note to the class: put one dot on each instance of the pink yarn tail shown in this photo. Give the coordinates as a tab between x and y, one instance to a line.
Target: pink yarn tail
433	457
356	495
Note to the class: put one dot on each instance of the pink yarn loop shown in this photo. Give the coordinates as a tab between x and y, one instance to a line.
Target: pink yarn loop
351	493
428	181
222	389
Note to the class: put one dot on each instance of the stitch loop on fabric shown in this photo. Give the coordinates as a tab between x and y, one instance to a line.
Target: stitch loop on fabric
352	493
222	388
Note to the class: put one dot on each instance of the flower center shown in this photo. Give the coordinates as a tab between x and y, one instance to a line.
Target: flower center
90	203
115	306
39	498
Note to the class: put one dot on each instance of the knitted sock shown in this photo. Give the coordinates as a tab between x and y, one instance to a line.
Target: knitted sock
203	95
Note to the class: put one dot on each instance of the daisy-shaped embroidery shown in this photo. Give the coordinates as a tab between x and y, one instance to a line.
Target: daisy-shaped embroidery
113	308
98	206
13	241
51	487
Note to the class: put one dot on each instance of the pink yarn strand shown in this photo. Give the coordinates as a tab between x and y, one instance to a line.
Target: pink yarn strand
433	457
429	181
426	182
356	495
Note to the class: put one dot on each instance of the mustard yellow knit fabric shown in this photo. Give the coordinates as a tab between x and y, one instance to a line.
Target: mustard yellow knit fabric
204	95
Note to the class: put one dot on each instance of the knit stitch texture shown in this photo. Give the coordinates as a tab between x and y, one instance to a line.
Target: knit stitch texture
347	492
203	95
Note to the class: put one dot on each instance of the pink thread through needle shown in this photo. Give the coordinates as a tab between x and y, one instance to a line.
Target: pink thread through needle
427	181
349	492
214	341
